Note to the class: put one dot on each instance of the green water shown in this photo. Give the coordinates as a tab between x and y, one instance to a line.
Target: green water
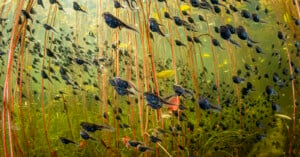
42	110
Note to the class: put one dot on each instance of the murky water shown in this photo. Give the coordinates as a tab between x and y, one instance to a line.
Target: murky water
149	78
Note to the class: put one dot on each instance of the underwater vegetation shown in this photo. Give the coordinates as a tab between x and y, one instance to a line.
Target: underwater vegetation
150	78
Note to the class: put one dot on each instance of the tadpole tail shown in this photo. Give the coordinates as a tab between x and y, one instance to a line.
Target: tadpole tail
234	43
131	28
252	41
